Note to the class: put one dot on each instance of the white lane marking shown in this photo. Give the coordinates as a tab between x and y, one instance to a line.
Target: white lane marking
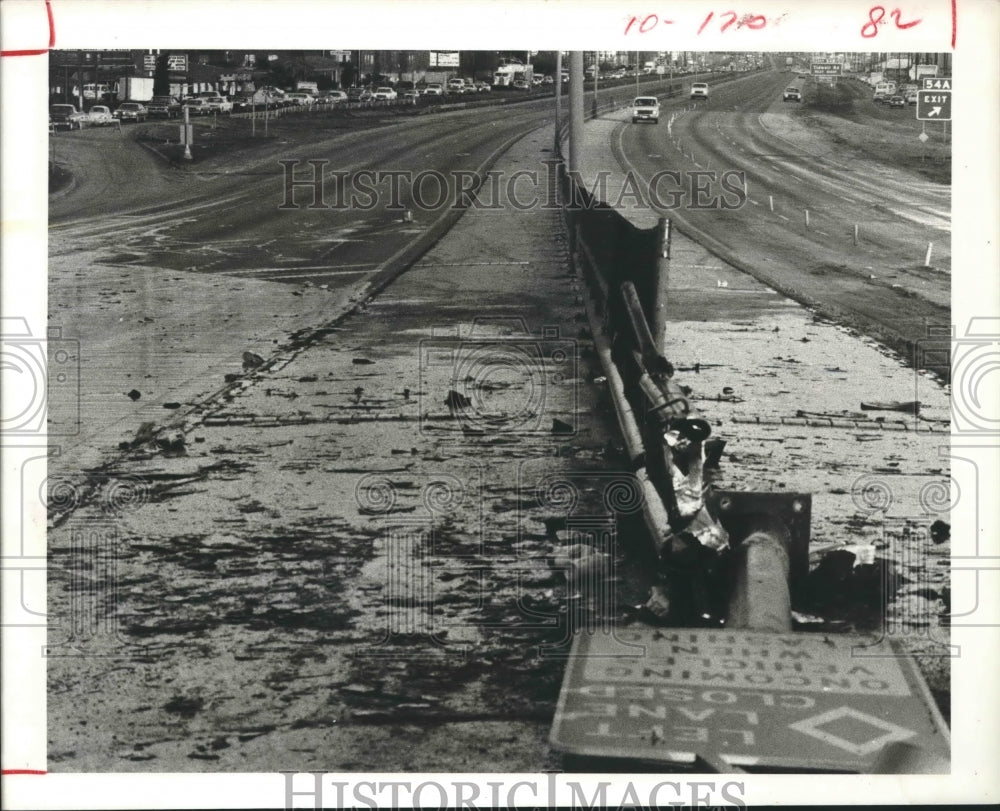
824	233
282	275
326	270
935	219
783	217
752	202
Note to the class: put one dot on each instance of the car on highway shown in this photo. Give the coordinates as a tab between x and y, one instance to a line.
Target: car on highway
879	97
911	97
897	101
483	87
433	89
548	80
385	94
218	104
359	94
301	99
131	111
646	108
100	116
66	116
699	90
163	107
456	85
791	94
411	95
520	84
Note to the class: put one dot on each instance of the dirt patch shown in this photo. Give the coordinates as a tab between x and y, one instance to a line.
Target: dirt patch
59	178
858	128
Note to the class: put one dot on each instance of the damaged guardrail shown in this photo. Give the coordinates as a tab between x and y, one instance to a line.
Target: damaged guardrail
675	452
732	559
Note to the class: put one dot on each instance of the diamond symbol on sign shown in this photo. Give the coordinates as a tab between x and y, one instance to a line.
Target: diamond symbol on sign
857	721
923	137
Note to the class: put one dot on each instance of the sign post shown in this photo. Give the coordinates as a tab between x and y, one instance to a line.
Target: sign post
744	698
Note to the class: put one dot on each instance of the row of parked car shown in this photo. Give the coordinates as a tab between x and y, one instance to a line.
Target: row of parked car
66	116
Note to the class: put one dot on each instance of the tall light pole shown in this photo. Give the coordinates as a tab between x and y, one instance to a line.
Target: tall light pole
597	72
575	109
558	80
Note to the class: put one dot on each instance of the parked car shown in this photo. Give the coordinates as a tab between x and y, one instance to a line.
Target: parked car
434	89
646	108
384	94
300	99
163	107
359	94
791	94
699	90
242	104
897	101
100	116
219	104
196	107
131	111
66	116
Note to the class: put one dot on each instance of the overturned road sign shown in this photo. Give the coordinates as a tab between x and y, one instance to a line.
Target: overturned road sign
799	701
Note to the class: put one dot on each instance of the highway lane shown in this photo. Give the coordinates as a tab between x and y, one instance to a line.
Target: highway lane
878	286
239	220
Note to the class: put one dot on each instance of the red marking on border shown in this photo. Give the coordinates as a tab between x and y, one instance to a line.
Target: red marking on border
39	52
6	772
954	22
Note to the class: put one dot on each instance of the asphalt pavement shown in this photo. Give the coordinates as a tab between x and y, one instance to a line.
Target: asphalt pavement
349	566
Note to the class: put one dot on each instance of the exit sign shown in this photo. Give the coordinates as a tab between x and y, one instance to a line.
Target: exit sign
934	105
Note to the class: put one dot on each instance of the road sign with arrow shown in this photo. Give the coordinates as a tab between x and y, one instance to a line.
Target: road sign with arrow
934	105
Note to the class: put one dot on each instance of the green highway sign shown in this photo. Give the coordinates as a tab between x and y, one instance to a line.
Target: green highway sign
934	105
826	69
938	84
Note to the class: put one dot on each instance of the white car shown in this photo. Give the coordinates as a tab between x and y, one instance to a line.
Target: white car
791	94
646	108
434	89
456	85
385	94
301	99
334	97
699	90
100	116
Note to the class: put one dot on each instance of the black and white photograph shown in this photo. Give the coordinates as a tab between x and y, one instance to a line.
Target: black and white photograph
525	412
